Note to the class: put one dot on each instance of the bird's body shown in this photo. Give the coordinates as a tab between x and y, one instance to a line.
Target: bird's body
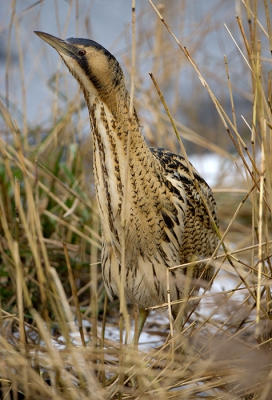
165	221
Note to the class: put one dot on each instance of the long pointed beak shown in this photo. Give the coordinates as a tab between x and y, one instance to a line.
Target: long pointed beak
62	46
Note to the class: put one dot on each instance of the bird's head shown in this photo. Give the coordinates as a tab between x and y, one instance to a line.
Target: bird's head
95	68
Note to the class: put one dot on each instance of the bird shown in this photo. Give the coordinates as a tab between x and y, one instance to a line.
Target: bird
167	223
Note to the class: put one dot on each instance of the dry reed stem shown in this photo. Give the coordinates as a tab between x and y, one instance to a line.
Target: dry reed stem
216	351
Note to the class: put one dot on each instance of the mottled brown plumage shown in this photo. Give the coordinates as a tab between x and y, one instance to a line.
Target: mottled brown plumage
166	221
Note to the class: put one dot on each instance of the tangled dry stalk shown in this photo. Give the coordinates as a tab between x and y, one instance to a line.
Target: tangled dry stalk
50	241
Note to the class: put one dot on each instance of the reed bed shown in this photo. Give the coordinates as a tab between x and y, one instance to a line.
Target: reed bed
53	308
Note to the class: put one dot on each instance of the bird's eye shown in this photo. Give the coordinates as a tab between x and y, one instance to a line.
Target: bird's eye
81	53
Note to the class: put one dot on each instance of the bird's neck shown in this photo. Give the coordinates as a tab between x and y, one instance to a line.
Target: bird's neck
113	126
118	170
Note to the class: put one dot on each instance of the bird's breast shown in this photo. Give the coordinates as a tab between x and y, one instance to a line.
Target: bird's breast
133	189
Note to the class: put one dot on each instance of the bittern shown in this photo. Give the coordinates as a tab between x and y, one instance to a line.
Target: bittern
166	220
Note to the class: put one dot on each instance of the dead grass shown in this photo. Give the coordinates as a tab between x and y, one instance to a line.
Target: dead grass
50	281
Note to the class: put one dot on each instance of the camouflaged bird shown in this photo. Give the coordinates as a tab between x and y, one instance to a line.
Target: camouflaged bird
166	221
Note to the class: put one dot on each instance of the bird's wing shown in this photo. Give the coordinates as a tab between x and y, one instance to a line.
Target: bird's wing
198	239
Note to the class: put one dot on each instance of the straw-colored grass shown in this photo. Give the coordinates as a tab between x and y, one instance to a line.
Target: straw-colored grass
50	280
